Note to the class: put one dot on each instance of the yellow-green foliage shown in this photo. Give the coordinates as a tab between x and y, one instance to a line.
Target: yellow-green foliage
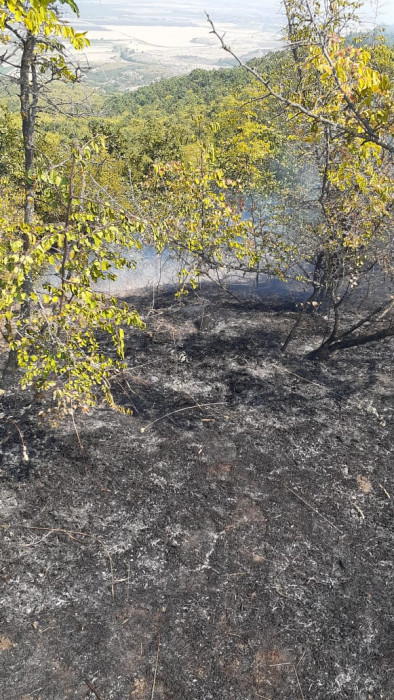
194	210
50	312
39	17
57	342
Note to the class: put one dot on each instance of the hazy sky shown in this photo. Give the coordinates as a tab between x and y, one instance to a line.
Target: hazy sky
266	12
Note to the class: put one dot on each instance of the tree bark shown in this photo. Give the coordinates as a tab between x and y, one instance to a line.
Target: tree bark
29	101
29	93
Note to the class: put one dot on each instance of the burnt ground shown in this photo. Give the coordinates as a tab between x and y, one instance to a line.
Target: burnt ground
232	551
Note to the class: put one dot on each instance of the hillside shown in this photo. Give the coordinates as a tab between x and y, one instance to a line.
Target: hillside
196	349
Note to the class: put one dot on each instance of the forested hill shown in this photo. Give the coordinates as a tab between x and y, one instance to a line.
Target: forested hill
199	87
204	86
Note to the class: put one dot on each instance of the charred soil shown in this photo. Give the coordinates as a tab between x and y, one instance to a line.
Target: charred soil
232	540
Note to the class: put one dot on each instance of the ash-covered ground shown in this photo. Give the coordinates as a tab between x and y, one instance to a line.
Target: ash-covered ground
240	547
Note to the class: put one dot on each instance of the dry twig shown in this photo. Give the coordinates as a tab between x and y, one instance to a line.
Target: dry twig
72	535
323	517
25	454
156	667
179	410
359	511
93	690
77	433
298	682
386	493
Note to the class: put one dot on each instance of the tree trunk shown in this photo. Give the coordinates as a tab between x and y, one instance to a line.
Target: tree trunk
326	350
29	100
29	93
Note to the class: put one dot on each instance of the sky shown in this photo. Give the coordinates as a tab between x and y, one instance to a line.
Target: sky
181	7
266	13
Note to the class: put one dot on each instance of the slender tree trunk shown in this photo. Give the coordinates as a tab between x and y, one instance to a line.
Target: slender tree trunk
29	101
29	93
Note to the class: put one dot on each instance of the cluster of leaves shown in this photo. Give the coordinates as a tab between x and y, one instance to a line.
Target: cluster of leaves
205	220
39	17
59	234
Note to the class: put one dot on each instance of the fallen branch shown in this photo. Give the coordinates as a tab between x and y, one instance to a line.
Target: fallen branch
25	454
179	410
77	433
156	667
298	682
323	517
93	690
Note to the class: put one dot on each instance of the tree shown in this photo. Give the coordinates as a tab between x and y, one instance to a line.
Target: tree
32	33
339	103
196	209
50	311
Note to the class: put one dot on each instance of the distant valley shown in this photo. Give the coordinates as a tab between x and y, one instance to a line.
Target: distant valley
134	44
